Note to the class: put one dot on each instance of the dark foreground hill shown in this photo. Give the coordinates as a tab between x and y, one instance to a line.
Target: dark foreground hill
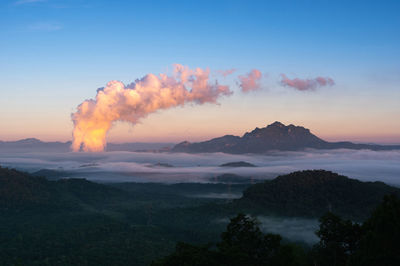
276	136
77	222
315	192
21	191
341	242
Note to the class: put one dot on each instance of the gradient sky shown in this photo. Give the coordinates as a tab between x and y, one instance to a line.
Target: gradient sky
54	54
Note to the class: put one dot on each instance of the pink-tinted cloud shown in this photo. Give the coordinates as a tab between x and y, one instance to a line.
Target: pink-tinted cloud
306	84
226	72
250	81
132	103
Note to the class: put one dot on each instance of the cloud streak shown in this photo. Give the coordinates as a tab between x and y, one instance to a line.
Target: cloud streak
250	81
306	84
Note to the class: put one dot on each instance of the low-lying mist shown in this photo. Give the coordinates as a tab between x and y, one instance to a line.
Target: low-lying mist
116	166
292	228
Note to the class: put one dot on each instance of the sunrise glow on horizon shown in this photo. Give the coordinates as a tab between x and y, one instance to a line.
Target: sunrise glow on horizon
335	72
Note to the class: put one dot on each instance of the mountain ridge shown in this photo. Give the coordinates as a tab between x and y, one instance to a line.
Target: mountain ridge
23	145
275	136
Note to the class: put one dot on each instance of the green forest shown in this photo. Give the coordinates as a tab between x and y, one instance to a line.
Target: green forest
78	222
341	242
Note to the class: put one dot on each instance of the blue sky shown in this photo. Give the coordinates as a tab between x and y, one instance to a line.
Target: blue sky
55	54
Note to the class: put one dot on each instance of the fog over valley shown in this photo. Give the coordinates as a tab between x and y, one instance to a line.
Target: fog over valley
167	167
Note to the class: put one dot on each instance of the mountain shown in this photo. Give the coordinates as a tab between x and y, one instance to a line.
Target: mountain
276	136
315	192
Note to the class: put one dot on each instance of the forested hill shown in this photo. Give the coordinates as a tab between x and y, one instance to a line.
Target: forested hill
315	192
19	190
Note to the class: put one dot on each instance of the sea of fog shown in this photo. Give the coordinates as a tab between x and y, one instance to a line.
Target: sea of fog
166	167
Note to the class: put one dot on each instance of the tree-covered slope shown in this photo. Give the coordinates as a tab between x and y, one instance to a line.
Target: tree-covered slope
20	191
315	192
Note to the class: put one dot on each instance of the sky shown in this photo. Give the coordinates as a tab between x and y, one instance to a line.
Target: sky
55	54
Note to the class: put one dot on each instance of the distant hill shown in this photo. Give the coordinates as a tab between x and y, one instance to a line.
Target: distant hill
20	191
32	144
167	165
232	179
276	136
315	192
237	164
52	174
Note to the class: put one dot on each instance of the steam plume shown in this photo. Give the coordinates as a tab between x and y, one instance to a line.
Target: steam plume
251	81
306	84
117	102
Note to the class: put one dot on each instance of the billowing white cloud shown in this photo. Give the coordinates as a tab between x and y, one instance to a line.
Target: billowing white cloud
117	102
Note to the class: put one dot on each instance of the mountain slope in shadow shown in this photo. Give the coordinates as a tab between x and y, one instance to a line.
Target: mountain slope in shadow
313	193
